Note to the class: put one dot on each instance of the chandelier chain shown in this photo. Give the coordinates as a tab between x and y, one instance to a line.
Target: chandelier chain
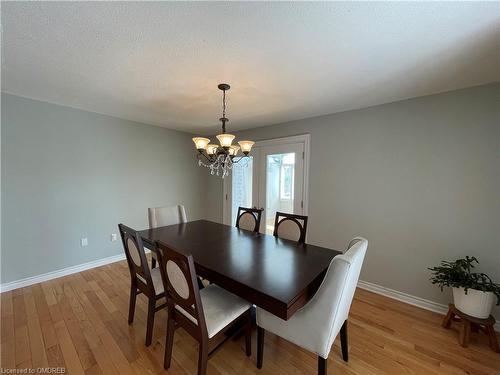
223	103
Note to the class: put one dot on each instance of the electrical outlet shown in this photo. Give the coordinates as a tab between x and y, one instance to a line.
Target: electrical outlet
84	242
113	237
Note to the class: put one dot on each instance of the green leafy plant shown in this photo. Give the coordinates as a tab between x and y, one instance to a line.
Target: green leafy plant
458	274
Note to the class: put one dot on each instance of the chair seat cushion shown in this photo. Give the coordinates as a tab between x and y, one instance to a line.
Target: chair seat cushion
148	248
157	281
220	307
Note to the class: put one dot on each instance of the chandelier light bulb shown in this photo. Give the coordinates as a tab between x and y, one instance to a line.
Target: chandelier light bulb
211	149
201	142
225	139
233	150
246	146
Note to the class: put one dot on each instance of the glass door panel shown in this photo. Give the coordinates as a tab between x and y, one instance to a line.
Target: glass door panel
281	183
279	186
241	186
272	178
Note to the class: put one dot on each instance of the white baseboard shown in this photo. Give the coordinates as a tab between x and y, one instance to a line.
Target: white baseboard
382	290
409	299
5	287
404	297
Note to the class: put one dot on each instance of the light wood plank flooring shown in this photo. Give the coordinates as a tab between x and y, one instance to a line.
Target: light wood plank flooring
80	322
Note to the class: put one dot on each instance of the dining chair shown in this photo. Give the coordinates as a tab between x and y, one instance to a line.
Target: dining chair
315	326
249	218
143	280
290	227
163	216
205	314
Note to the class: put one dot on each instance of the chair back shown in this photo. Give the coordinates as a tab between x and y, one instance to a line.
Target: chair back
166	215
181	288
290	227
249	218
327	311
355	256
136	259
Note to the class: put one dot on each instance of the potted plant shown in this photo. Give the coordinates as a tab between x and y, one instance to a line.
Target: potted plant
474	293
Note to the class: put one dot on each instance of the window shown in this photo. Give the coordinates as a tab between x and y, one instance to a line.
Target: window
241	186
287	176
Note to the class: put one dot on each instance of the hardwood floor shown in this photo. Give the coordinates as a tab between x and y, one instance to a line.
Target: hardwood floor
80	322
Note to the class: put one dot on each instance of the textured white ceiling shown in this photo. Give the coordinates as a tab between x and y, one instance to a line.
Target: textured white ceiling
160	62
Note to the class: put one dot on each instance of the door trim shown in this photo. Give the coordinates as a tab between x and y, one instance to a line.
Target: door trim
302	138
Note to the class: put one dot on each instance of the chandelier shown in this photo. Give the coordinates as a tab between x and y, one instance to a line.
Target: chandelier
220	158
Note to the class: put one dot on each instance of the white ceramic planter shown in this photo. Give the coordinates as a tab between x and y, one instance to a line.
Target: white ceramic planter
475	303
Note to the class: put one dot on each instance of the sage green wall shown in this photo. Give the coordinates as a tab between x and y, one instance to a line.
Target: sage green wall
68	174
419	178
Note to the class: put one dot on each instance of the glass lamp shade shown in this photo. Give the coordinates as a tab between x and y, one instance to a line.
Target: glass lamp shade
233	150
246	146
201	142
225	139
211	149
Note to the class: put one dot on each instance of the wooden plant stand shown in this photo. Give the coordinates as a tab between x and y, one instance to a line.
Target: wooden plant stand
471	323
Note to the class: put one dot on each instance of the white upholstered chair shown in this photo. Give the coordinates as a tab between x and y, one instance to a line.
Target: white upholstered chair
163	216
166	215
315	326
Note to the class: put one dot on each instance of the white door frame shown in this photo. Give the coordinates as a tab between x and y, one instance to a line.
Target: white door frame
303	138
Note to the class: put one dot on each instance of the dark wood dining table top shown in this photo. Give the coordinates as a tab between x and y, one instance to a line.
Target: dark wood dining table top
278	275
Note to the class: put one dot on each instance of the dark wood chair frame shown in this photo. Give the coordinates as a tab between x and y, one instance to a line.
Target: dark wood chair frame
296	219
255	212
153	261
322	362
138	286
193	306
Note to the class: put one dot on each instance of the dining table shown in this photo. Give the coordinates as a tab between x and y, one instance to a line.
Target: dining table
278	275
